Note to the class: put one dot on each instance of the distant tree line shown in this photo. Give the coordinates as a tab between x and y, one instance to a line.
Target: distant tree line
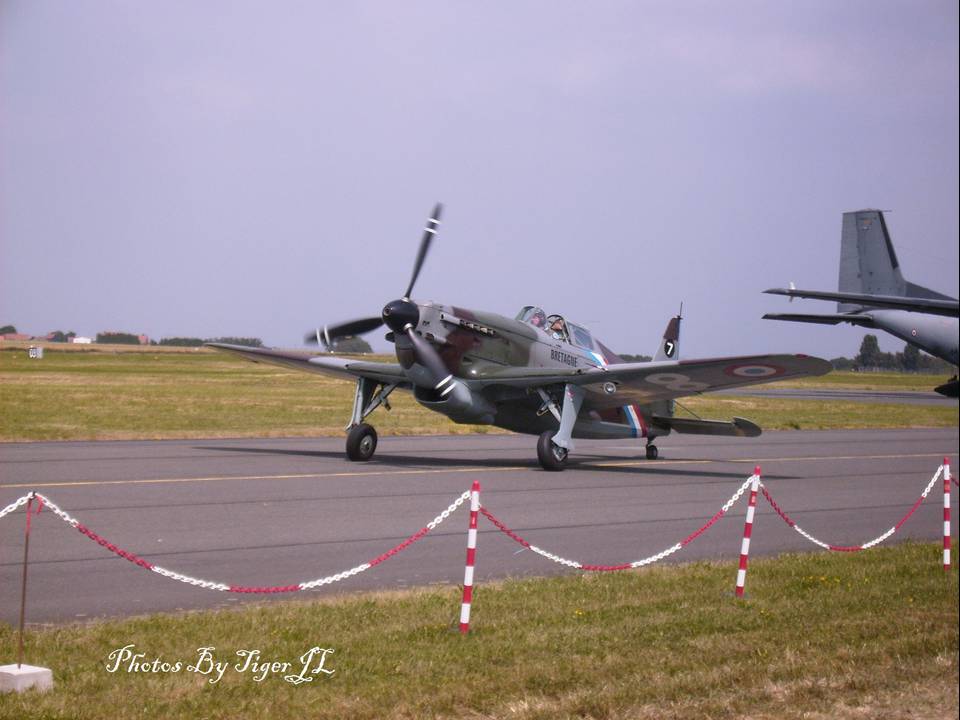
118	338
636	358
61	336
125	338
871	357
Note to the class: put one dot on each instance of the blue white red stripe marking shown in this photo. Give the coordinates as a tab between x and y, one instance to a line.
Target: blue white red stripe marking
637	428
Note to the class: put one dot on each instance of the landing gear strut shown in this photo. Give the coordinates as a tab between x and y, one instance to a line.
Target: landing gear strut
553	447
361	437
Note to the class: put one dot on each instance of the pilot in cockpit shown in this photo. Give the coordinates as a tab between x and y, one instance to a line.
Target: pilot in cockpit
539	319
557	328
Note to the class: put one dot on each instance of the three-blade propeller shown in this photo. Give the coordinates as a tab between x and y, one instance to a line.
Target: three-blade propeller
401	316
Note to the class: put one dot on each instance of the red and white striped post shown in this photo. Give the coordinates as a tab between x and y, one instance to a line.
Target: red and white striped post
946	514
747	531
471	558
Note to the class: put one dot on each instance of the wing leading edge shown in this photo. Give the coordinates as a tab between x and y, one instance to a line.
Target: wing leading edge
334	365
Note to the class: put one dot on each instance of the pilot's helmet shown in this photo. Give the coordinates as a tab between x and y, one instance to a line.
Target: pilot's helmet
539	319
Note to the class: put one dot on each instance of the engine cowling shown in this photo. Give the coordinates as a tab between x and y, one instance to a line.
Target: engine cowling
460	404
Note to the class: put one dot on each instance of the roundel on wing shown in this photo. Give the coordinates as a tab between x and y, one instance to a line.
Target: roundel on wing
757	370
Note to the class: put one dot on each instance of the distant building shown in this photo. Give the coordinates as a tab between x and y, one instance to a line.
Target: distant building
144	339
79	340
16	336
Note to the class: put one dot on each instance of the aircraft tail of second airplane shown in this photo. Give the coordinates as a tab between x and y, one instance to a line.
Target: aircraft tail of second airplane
868	262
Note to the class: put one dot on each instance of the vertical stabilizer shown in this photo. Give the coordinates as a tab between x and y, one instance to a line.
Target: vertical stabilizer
670	344
868	262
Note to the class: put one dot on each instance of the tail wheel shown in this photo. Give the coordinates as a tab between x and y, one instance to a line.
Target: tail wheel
551	456
652	452
361	442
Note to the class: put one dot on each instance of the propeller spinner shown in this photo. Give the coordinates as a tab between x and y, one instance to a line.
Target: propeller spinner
401	316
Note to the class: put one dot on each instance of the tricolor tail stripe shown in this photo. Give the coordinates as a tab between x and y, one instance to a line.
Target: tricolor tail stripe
630	412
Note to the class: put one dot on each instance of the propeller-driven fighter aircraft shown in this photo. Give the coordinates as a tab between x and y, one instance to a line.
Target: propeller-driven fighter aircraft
535	373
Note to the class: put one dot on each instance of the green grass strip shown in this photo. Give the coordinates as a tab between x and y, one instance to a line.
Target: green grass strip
147	394
873	634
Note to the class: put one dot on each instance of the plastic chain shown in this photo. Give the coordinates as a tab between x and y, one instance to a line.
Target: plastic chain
852	548
624	566
221	587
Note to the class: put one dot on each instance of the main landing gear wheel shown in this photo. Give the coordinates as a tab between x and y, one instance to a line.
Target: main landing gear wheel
550	455
652	452
361	442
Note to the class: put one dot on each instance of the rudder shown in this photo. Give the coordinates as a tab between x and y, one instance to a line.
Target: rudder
868	262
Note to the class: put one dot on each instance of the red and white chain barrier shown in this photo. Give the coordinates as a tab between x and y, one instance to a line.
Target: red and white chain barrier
471	559
223	587
15	505
876	541
747	531
753	482
625	566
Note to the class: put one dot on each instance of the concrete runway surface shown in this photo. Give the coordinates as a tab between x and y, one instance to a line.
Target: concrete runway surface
277	512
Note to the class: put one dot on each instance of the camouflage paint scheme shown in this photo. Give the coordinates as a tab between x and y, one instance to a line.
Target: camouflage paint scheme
507	370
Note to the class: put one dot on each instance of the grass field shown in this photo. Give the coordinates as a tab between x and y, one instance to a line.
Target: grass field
160	393
871	635
847	380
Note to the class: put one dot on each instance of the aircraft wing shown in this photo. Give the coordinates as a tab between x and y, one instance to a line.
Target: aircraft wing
824	319
949	308
650	381
350	368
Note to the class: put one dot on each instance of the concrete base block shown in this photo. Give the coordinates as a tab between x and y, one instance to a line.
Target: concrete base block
14	679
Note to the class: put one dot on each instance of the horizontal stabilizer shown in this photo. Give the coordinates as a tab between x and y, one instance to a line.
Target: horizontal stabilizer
739	427
938	305
826	319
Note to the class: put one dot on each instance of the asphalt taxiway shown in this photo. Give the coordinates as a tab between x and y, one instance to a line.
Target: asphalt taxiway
262	512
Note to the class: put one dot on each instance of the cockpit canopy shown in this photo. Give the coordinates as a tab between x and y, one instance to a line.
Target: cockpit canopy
533	316
556	326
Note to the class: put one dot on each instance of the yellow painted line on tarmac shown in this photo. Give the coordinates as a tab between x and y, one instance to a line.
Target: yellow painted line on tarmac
214	478
440	471
647	463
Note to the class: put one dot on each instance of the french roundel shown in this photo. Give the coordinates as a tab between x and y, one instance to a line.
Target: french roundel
754	371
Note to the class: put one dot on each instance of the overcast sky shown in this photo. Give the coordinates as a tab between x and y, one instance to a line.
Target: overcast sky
254	168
